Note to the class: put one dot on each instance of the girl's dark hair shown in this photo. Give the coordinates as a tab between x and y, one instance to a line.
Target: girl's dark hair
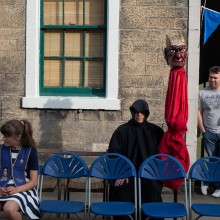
19	127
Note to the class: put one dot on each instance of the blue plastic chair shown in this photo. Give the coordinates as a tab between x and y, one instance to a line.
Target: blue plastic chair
206	169
65	165
162	167
112	166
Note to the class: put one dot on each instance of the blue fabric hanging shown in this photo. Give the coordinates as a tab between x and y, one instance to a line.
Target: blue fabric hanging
211	22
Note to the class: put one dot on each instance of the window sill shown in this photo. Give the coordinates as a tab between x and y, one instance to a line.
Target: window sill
71	103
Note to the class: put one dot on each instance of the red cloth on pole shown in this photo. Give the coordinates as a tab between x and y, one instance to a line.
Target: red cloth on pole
176	116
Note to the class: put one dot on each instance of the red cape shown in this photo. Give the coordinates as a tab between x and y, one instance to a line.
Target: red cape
176	116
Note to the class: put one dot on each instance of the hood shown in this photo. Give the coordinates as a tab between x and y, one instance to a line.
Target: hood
140	106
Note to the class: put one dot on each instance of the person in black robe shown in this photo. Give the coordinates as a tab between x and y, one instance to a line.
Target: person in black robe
137	139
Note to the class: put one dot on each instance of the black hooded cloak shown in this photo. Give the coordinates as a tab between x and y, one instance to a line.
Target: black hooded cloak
136	141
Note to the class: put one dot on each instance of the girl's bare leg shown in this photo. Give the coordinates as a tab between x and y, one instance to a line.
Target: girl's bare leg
11	210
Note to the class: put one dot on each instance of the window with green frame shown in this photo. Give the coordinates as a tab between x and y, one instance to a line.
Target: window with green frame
73	48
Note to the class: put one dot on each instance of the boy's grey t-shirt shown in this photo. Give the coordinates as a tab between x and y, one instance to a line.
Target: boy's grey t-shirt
209	103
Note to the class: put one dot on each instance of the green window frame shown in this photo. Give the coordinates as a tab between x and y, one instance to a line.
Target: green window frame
73	48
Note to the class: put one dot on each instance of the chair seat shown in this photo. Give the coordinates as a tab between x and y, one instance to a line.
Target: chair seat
112	208
164	210
61	206
206	209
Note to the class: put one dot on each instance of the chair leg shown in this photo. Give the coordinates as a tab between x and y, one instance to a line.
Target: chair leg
175	198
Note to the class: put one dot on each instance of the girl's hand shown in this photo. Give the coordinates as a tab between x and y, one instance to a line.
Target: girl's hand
3	191
12	190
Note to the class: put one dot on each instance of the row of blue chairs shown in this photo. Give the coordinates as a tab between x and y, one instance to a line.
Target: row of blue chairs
111	166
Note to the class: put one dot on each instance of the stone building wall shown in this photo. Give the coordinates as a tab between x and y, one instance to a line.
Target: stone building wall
143	73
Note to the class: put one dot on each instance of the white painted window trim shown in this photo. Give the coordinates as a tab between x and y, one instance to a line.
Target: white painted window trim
32	98
193	75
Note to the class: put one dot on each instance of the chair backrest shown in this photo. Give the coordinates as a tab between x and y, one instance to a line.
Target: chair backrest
161	167
112	166
206	169
65	165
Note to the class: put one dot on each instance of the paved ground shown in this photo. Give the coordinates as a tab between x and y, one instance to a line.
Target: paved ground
167	196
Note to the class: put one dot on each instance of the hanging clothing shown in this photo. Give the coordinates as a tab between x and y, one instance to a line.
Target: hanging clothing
176	116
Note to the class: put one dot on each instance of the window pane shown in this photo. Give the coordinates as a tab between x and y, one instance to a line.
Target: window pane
53	10
73	10
52	73
73	73
94	74
73	53
94	44
52	43
74	43
94	12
